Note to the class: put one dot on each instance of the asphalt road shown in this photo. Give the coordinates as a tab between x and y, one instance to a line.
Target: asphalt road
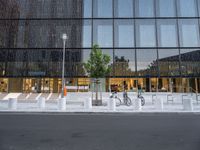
99	131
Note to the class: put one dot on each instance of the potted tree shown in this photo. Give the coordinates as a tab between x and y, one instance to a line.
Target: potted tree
97	67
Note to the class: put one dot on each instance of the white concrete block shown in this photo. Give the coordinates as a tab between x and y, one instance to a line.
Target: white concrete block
12	103
138	105
41	102
62	104
159	104
112	104
187	104
88	103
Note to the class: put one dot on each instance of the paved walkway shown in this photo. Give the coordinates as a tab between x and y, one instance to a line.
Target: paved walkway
75	103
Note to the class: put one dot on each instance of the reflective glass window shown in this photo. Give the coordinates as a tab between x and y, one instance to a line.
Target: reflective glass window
123	8
102	33
124	62
102	8
85	55
87	33
166	8
168	62
189	33
190	62
187	8
145	33
167	33
87	8
147	62
124	33
144	8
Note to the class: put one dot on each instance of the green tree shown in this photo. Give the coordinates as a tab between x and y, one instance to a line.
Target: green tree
97	67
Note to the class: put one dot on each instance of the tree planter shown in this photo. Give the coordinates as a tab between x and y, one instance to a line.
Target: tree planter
97	67
96	92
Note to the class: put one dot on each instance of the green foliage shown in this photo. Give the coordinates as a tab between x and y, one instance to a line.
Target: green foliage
97	65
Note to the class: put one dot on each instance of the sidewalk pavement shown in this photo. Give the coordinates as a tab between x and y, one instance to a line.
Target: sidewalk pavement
77	105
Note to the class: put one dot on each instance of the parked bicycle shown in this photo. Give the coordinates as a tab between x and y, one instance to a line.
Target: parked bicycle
142	99
126	100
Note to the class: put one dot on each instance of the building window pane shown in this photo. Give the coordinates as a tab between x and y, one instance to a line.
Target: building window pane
144	8
124	33
102	8
87	9
166	8
145	33
123	8
189	33
87	34
124	62
190	62
147	62
167	33
168	62
102	33
187	8
86	55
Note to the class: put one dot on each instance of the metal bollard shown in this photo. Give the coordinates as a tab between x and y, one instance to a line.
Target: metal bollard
159	104
187	104
62	104
112	104
41	102
12	103
88	103
138	105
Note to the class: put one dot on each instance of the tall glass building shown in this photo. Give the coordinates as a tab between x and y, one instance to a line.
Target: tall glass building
152	43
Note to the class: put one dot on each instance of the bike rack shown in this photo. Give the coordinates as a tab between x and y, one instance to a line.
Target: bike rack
154	96
198	100
184	97
170	98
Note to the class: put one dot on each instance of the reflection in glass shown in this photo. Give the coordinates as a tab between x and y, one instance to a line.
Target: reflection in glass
168	62
166	8
85	55
187	8
147	62
87	31
145	33
123	8
189	33
190	62
102	33
124	33
124	62
102	8
144	8
167	33
87	8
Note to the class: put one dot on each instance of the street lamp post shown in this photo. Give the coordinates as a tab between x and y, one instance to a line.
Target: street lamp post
64	37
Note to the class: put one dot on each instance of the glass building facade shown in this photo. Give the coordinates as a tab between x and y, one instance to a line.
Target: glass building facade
154	43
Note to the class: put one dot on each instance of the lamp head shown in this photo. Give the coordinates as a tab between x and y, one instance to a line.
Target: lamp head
64	36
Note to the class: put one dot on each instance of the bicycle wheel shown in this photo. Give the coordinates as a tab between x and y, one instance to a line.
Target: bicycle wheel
142	100
118	101
127	101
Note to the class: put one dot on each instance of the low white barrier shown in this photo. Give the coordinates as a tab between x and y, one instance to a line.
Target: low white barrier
12	103
111	104
41	102
187	104
88	103
62	103
159	104
138	105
